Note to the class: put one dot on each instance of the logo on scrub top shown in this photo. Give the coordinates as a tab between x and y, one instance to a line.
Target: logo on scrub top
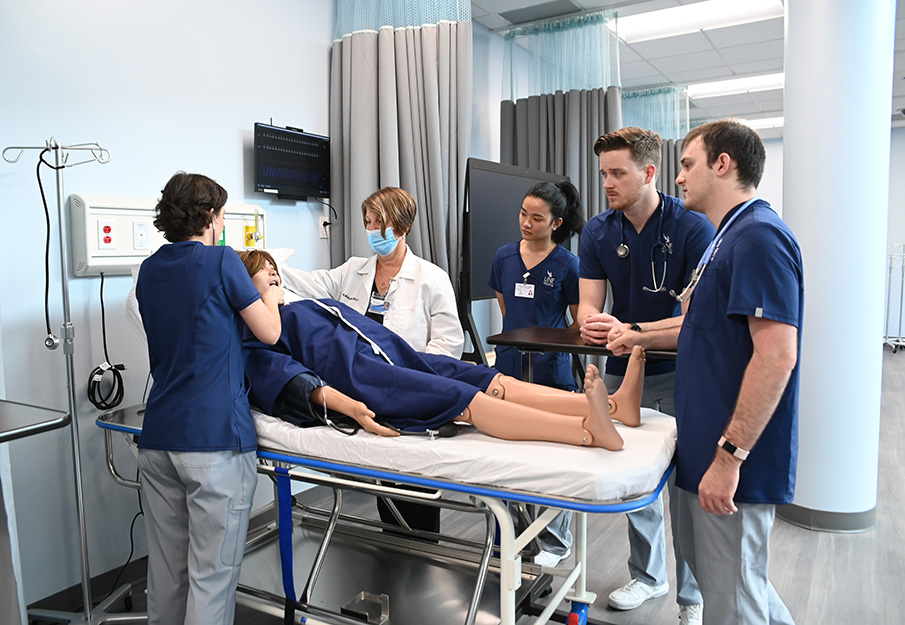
549	280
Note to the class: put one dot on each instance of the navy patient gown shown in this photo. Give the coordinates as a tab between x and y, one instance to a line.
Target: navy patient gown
353	354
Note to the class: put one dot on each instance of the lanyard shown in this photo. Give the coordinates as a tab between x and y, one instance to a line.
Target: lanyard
715	244
708	255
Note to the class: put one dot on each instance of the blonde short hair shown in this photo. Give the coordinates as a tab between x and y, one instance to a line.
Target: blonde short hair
394	205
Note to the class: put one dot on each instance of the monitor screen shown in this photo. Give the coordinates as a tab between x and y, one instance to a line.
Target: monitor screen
494	194
292	164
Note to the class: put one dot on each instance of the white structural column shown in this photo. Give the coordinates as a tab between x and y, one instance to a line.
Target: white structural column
838	90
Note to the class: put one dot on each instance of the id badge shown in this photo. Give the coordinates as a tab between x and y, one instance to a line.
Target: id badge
523	289
378	305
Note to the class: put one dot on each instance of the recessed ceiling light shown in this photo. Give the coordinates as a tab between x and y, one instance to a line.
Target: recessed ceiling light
691	18
764	123
751	84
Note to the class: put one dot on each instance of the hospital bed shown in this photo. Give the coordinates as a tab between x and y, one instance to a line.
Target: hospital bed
470	472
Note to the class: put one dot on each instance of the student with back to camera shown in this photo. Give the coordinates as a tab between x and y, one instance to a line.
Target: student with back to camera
198	442
536	282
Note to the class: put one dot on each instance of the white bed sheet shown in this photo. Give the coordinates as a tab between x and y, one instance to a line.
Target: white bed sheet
550	469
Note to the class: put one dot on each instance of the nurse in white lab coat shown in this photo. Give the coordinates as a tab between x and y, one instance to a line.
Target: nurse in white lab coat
409	295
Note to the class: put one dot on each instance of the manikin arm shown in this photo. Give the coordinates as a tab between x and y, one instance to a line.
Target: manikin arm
342	403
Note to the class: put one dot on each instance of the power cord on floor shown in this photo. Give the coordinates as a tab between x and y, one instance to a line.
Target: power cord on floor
114	396
131	550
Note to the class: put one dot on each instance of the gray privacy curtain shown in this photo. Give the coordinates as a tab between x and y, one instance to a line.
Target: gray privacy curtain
400	115
671	154
556	133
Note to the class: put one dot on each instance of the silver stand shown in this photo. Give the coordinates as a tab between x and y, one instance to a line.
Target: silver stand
61	155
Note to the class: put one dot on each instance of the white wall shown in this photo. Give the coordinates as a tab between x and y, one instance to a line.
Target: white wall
165	86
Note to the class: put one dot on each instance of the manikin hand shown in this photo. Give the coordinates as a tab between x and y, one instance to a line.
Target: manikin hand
274	293
365	418
596	328
718	486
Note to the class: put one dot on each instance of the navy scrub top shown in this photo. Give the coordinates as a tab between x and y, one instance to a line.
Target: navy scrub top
189	295
555	281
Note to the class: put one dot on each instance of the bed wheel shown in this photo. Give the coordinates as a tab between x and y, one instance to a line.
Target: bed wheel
579	614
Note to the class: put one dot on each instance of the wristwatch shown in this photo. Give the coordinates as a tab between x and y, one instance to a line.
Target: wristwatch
635	327
733	449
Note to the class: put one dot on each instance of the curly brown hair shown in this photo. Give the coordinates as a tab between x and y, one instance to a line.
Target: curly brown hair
185	206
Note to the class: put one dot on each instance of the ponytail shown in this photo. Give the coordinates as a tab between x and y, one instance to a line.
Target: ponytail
564	203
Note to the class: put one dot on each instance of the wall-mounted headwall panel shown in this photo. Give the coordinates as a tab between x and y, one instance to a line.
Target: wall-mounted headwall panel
112	234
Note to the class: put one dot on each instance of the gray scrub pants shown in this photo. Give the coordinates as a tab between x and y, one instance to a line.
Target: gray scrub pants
197	506
730	557
646	532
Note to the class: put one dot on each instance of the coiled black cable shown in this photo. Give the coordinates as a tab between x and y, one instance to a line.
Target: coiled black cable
113	397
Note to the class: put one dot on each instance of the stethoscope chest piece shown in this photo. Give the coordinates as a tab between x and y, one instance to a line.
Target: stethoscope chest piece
622	250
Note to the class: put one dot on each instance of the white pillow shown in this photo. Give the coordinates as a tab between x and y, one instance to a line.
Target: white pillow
281	255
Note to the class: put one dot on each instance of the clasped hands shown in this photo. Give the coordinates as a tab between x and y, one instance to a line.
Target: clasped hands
606	330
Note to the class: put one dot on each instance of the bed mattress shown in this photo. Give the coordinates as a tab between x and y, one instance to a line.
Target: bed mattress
551	469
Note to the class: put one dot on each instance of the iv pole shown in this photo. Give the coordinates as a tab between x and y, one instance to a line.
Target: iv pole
61	157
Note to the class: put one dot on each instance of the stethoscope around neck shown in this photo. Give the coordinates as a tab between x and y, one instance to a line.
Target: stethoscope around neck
662	244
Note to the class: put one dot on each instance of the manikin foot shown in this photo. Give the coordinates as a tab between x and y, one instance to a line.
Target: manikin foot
625	403
598	423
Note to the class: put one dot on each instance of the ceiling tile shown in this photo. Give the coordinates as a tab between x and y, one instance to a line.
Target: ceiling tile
670	46
763	50
765	30
641	69
693	76
688	62
754	68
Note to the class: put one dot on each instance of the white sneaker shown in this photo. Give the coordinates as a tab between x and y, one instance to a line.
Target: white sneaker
635	593
548	559
691	614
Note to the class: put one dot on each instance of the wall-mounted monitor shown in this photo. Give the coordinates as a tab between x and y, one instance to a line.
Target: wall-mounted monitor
290	163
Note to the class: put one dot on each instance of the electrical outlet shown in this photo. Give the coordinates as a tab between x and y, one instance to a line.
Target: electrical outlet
323	220
106	234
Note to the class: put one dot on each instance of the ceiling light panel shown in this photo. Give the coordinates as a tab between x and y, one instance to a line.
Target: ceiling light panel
695	17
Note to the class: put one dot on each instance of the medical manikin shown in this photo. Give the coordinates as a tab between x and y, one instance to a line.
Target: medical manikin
362	370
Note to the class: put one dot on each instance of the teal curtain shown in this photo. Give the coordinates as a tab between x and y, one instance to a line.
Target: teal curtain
561	55
356	15
663	110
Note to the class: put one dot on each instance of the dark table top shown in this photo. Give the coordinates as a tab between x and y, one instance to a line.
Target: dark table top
559	340
21	420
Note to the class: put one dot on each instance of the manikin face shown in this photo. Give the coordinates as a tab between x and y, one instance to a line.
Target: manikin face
623	180
695	177
266	277
535	220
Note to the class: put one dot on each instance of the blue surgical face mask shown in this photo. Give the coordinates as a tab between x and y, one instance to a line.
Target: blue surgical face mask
380	245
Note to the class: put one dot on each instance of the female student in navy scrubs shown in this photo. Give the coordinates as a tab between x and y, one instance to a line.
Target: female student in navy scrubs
536	280
197	446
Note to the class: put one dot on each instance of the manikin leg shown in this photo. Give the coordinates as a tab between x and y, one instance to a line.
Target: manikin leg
512	421
625	404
